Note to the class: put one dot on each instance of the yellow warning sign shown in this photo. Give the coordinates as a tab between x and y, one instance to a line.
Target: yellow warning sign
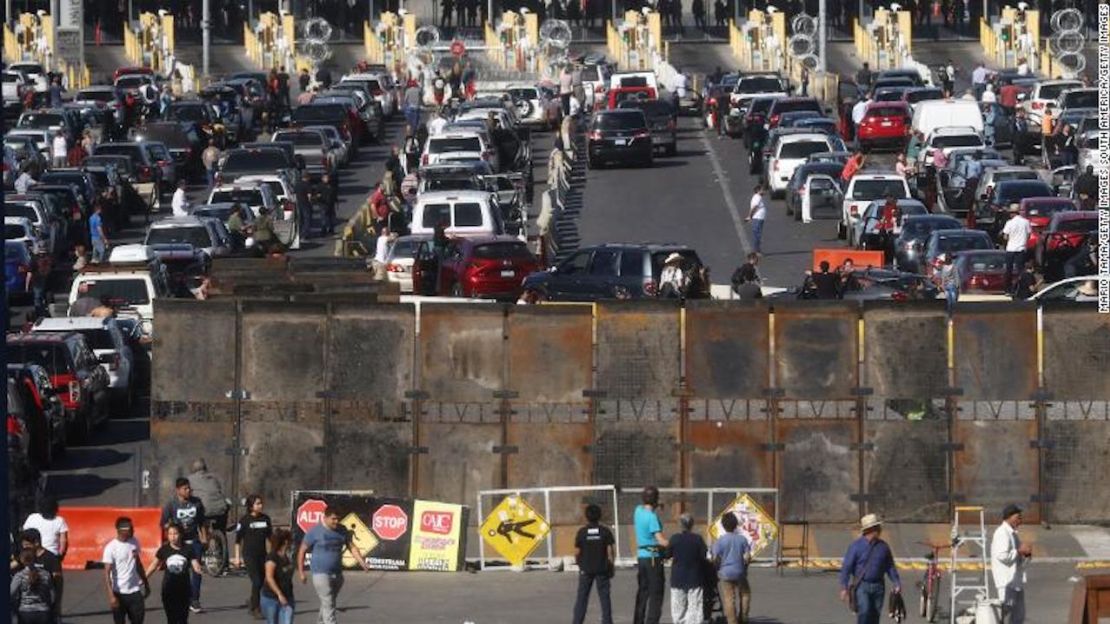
754	523
514	529
361	536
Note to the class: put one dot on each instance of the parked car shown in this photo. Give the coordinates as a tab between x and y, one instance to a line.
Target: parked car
199	232
878	284
793	150
107	341
982	271
148	174
1082	289
662	122
863	189
74	372
796	188
1062	238
991	212
788	105
1039	212
949	242
536	106
619	136
399	262
610	271
909	246
867	234
40	410
884	123
465	213
481	266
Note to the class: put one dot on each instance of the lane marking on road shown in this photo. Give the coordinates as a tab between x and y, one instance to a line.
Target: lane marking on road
746	244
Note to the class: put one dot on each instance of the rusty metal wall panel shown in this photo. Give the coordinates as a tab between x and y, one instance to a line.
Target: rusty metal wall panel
1076	354
283	351
905	350
462	351
638	350
726	409
1076	463
727	454
550	352
996	351
816	349
370	351
284	450
905	469
636	453
996	464
175	444
367	455
194	355
727	349
552	455
459	462
818	471
638	410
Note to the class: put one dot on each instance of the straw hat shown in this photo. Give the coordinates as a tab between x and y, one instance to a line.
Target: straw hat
1088	288
869	521
674	257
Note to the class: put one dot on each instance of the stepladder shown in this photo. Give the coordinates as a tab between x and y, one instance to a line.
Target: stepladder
969	560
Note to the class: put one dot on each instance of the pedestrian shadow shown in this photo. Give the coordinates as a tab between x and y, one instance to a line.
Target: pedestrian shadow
68	486
77	458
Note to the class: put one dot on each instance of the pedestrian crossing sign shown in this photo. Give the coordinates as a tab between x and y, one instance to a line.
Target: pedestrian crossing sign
754	523
514	529
361	536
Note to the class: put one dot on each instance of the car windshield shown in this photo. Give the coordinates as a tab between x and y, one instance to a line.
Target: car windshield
196	235
450	184
21	210
250	197
301	138
16	252
651	108
886	111
802	149
132	151
404	248
801	105
1053	91
95	95
460	144
985	261
255	160
186	113
959	242
1047	209
1077	225
434	214
920	228
40	120
957	140
876	189
620	121
525	94
14	231
328	113
216	212
1015	190
499	251
128	82
116	291
923	95
1087	98
52	357
108	161
1001	176
759	84
98	338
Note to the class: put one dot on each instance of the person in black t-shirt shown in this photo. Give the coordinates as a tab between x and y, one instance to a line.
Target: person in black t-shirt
178	561
252	540
594	553
277	593
687	569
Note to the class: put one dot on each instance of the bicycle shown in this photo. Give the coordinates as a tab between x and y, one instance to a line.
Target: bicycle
930	583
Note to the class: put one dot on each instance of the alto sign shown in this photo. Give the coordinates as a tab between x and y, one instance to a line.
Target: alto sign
390	522
310	513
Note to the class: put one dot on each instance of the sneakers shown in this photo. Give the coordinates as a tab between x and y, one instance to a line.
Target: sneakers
196	608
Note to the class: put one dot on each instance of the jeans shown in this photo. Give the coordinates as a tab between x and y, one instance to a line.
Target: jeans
211	177
39	292
757	234
869	599
304	214
736	600
1013	606
100	250
327	587
132	608
194	578
686	605
275	613
951	295
1015	261
650	582
412	117
565	98
585	581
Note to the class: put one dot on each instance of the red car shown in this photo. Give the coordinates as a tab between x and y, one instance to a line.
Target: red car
982	271
621	94
1039	211
484	266
1063	236
885	123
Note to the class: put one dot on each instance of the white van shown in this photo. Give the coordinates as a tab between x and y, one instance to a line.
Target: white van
466	213
932	114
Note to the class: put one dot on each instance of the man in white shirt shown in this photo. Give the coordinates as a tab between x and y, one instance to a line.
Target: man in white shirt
979	79
757	215
1008	557
124	576
51	527
381	253
58	149
24	182
859	110
988	95
1016	232
437	124
179	203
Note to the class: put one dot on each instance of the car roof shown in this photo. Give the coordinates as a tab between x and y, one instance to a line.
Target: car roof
74	323
804	136
171	222
930	217
952	130
895	103
452	196
959	232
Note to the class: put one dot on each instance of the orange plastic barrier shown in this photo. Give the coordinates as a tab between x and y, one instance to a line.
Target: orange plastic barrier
91	528
836	257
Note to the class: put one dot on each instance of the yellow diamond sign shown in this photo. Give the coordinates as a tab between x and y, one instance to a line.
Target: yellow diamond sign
754	523
514	529
361	536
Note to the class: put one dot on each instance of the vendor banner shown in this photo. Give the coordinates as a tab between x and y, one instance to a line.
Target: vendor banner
390	533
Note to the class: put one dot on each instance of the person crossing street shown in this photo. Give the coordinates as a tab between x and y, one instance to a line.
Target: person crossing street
868	560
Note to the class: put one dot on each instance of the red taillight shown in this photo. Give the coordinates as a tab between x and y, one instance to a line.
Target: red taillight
899	296
599	89
712	101
393	267
145	173
643	134
853	210
650	288
595	135
774	120
424	159
1038	105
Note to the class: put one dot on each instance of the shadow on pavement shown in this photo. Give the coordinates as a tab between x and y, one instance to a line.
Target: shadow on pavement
67	486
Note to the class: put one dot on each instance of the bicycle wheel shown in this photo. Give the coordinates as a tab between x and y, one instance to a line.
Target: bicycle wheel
931	603
923	602
213	560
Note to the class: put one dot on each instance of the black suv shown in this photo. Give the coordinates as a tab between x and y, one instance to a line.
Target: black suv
611	271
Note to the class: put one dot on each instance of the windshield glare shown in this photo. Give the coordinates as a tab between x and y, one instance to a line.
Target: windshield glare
759	84
878	189
197	236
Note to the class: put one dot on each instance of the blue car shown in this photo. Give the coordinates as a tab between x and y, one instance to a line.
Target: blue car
17	263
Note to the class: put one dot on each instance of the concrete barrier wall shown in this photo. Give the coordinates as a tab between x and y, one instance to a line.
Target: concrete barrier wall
845	409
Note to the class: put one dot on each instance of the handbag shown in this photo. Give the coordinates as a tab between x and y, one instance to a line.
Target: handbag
853	605
897	610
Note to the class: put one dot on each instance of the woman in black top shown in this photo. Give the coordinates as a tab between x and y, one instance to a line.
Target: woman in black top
277	594
252	536
177	560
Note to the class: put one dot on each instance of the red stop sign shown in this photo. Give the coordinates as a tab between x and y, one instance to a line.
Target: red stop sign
457	48
390	522
310	513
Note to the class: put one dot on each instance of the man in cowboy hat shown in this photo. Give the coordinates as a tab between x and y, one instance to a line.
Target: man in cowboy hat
1008	557
868	559
673	279
1017	231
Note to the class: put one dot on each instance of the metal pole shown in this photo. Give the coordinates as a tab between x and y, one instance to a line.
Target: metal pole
206	35
822	35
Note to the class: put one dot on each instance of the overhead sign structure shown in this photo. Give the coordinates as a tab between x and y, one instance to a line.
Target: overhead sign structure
514	529
755	523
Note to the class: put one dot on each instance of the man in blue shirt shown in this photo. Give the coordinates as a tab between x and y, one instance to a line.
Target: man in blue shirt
731	553
97	234
650	542
327	541
868	559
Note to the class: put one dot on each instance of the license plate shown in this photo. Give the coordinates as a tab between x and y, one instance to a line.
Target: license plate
886	124
508	274
620	141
